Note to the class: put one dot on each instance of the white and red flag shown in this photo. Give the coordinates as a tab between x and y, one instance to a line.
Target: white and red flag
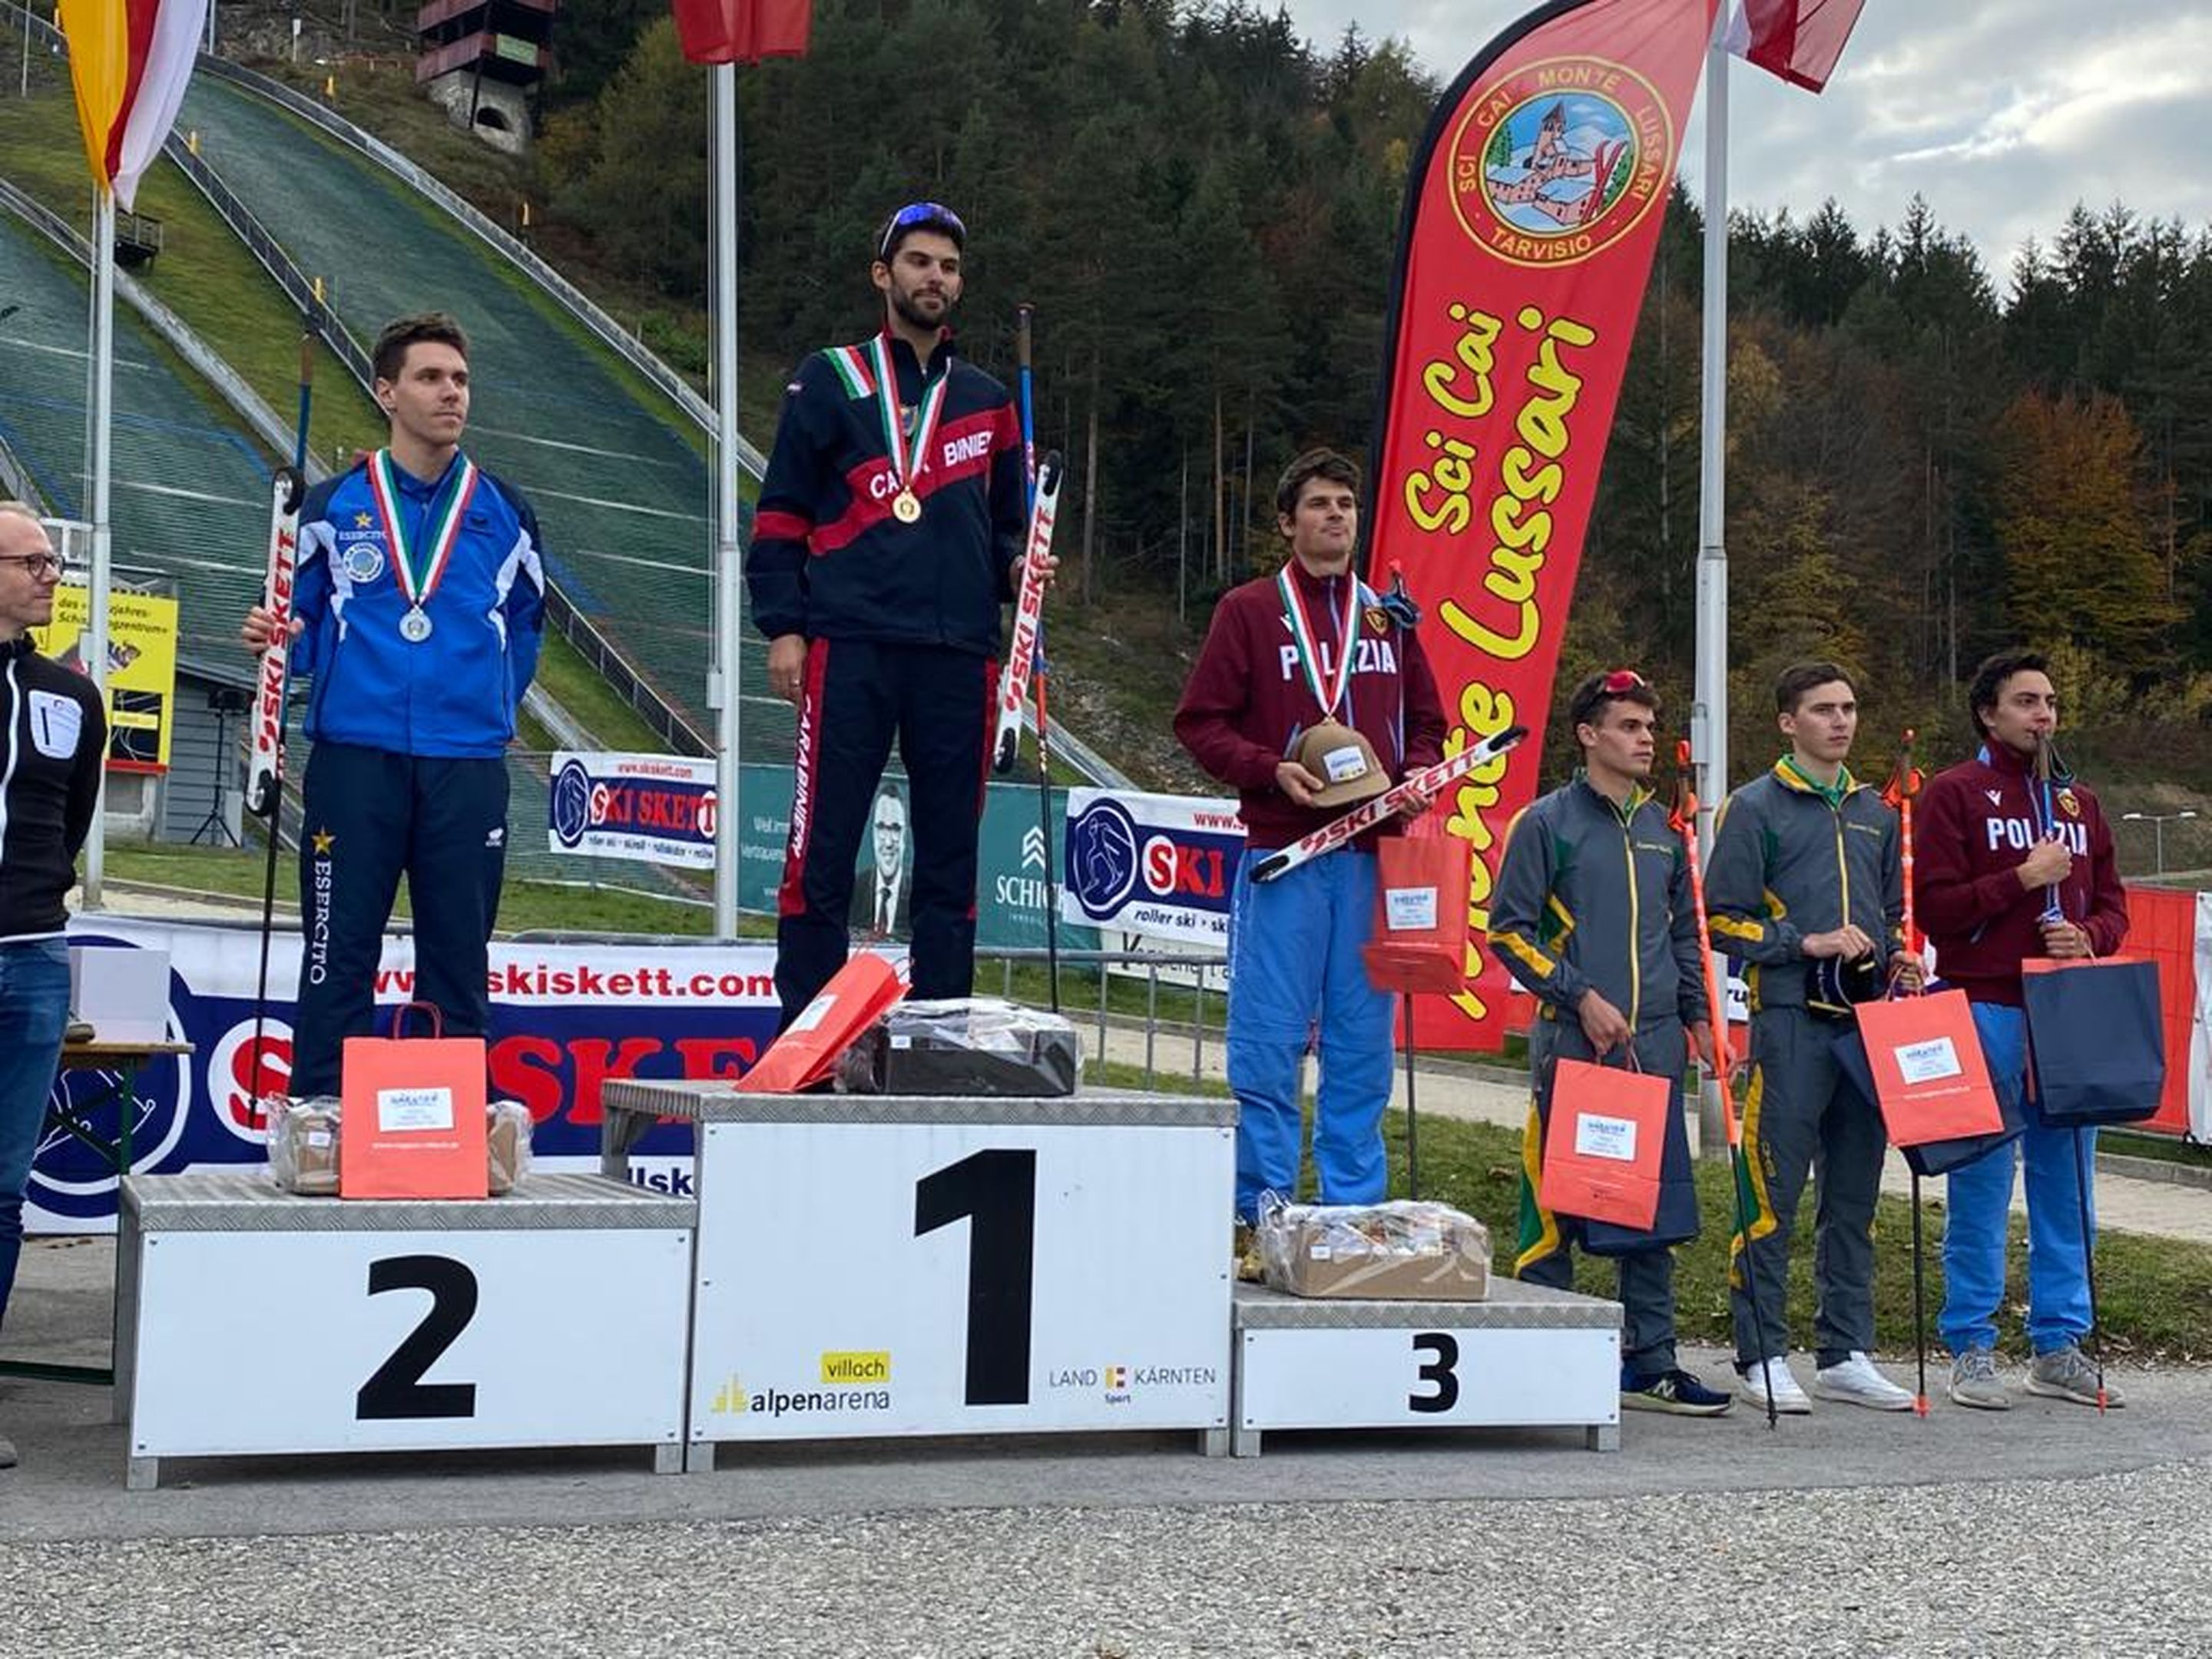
1799	41
130	60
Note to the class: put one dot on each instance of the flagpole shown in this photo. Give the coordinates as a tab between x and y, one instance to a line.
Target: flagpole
1709	710
728	715
94	651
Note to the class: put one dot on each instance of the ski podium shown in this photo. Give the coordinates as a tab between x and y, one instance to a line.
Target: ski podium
836	1293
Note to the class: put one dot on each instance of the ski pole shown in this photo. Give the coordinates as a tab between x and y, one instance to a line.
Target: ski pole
1412	1124
264	788
1045	825
1919	1302
1904	781
2089	1262
1685	822
1025	315
1022	315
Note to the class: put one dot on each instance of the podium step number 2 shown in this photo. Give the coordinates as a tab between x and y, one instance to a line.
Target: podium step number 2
255	1322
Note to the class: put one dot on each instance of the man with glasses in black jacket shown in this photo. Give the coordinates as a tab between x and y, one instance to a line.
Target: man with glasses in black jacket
51	754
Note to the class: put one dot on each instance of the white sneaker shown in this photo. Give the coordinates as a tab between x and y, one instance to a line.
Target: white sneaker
1855	1382
1788	1399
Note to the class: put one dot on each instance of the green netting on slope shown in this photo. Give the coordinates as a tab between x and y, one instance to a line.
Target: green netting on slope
190	491
624	499
190	498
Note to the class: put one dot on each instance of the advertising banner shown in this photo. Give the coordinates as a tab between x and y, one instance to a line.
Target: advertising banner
1532	209
141	668
1010	863
656	809
564	1019
1162	866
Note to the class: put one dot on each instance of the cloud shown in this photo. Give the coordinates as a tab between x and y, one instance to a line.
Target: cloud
2002	114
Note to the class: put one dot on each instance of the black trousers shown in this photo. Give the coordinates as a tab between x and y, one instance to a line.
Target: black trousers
367	816
857	696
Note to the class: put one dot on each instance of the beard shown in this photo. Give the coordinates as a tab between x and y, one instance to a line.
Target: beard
911	309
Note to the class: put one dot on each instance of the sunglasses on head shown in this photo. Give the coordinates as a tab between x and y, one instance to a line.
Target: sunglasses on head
920	213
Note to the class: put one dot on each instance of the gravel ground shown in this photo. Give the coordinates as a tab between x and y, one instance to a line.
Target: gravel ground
2105	1565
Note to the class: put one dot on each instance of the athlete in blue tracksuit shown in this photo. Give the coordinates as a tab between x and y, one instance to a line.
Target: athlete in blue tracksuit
417	609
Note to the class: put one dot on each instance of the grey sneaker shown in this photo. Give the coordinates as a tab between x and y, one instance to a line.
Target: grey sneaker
1974	1382
2067	1374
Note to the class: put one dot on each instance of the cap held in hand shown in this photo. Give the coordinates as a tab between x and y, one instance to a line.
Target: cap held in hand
1346	764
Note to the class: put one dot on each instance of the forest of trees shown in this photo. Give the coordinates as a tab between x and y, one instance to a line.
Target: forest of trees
1926	458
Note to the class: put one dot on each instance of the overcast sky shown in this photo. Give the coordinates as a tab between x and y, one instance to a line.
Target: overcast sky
2002	114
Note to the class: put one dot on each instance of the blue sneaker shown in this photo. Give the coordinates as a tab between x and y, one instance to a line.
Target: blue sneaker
1675	1391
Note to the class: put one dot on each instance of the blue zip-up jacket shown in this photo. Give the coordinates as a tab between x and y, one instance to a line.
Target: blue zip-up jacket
454	695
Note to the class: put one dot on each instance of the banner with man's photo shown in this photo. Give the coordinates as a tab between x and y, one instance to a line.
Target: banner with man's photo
662	809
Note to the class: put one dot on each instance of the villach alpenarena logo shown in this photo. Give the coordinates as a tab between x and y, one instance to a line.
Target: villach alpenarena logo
1560	160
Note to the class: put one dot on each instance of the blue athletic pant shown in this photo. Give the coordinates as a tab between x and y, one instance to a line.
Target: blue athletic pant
367	815
1979	1204
1294	964
35	990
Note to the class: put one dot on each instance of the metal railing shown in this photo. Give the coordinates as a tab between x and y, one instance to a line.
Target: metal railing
1103	1019
265	248
203	358
579	305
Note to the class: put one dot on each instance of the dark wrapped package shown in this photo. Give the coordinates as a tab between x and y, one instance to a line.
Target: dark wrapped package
972	1046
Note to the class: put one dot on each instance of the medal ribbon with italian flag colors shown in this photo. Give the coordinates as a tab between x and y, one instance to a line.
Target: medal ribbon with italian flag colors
908	462
1329	694
418	581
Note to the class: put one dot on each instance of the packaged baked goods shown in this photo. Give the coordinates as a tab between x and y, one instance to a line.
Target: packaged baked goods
507	1144
970	1046
303	1143
1406	1251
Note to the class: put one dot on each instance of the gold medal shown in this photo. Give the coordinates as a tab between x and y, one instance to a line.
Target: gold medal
906	506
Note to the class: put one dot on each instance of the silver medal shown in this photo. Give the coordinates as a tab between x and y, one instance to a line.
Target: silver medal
415	626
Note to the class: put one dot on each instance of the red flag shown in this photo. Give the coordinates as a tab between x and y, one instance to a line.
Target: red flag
1799	41
742	31
1532	212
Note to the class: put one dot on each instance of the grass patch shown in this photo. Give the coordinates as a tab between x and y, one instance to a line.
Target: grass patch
2155	1294
579	689
2159	1149
523	907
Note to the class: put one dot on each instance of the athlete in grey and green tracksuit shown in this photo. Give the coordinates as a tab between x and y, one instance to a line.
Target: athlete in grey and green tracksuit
1805	890
1593	913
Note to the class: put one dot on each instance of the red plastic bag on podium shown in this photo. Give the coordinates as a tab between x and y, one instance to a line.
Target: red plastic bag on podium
412	1120
1930	1078
808	1050
1420	941
1604	1144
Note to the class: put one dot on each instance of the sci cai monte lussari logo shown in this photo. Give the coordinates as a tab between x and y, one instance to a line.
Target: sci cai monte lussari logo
1559	160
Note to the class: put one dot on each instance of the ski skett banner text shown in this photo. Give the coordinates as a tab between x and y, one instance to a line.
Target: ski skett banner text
1532	210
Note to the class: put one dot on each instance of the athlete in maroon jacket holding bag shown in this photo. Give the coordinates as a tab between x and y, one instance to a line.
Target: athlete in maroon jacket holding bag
2011	865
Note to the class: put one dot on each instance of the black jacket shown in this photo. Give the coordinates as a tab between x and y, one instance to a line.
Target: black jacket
830	561
56	744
